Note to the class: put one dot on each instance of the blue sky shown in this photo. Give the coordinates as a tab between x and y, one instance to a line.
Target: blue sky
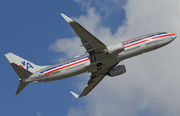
35	31
27	29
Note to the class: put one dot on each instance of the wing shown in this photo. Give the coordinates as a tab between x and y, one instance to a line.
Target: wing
92	45
91	84
95	48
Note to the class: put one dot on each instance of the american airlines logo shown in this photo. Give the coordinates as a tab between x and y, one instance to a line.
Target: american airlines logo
25	65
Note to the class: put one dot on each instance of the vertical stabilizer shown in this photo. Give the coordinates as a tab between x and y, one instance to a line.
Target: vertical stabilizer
23	63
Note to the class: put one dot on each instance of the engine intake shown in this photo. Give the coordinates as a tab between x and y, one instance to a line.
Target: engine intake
114	48
118	70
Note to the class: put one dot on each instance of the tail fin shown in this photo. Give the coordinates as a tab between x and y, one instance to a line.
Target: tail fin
23	68
23	63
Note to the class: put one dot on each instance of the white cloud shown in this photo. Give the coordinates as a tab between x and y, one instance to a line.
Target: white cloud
69	45
151	84
105	7
38	114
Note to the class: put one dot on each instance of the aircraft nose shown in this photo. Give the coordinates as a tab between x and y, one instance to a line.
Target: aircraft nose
174	36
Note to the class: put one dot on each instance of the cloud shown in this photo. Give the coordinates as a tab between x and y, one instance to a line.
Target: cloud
151	84
105	7
38	114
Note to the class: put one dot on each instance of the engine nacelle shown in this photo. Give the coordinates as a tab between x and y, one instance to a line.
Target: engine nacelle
115	48
118	70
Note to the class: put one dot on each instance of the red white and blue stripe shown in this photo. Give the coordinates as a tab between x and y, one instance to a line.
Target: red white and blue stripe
143	39
66	64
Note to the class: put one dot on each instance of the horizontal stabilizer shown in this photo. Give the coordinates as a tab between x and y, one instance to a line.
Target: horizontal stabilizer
22	85
74	94
22	73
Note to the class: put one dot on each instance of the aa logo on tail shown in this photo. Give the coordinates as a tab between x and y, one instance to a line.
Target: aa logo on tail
26	65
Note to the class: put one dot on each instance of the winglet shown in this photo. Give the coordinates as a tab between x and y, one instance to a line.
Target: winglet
69	20
74	94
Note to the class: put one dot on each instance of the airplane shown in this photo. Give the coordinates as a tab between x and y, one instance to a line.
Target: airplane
100	60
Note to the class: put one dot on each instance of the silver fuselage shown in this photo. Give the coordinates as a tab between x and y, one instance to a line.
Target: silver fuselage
83	64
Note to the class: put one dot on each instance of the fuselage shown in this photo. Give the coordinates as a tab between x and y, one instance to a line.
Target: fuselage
83	64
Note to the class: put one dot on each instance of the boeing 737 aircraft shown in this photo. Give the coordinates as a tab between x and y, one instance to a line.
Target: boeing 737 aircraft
100	61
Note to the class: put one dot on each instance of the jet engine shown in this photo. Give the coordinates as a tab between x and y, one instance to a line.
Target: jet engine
114	48
118	70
